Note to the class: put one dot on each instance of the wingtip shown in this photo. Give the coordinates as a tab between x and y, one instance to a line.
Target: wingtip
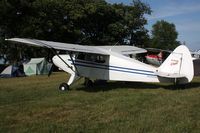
9	39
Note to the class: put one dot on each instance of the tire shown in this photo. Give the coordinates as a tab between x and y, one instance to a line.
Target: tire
89	84
64	87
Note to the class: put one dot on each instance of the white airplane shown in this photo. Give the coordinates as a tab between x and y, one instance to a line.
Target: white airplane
196	54
113	63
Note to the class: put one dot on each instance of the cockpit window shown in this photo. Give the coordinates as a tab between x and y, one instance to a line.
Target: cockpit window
81	56
92	57
100	59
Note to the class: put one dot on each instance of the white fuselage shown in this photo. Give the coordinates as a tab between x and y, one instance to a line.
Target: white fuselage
115	67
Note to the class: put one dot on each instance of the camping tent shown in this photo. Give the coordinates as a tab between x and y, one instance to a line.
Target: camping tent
12	71
196	67
3	60
2	67
37	66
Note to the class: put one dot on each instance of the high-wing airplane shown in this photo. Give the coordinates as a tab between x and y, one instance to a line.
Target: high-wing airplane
115	63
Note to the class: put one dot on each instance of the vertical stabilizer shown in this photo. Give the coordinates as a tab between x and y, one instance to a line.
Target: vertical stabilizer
178	65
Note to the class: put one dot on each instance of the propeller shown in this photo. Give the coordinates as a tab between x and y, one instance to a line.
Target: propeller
49	58
51	70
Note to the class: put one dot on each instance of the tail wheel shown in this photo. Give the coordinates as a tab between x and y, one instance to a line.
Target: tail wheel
64	87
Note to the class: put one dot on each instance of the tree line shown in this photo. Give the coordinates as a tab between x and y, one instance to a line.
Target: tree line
87	22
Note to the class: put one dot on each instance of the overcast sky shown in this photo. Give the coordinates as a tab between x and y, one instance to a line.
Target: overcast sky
185	14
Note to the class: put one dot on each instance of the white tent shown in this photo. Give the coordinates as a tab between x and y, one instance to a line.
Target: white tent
37	66
12	71
7	70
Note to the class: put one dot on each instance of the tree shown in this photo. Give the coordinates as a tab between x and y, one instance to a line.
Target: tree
164	35
13	16
91	22
136	22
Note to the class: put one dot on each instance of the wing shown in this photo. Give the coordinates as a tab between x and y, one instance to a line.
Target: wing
124	49
158	50
80	48
60	46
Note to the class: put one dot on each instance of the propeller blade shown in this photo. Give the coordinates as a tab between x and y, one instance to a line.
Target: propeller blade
51	70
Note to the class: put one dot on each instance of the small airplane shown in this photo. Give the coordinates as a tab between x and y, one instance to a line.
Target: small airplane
155	59
115	63
196	54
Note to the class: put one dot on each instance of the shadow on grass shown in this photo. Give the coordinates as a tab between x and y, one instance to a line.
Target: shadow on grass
191	85
107	86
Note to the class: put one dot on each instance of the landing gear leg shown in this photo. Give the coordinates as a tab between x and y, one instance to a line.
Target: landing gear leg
65	86
177	85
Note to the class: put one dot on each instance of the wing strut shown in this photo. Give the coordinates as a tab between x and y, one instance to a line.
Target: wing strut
54	51
70	54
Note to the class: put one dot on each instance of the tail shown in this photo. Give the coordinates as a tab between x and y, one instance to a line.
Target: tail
178	67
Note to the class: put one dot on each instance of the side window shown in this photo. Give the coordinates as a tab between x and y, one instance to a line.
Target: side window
91	57
81	56
100	59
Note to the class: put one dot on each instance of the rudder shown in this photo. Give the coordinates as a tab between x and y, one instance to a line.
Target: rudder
178	66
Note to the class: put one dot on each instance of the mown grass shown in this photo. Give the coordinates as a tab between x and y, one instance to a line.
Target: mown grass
34	104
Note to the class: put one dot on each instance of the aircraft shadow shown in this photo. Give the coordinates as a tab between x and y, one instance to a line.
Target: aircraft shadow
107	86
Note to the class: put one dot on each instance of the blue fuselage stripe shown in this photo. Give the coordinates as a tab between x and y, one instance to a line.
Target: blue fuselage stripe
113	68
83	65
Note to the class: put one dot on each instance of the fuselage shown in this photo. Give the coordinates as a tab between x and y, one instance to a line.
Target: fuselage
115	67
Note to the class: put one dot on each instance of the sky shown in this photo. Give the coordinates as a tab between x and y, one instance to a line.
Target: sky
185	14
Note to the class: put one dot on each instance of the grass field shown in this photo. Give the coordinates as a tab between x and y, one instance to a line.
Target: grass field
34	104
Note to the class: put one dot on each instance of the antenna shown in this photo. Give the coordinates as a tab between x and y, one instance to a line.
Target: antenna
113	45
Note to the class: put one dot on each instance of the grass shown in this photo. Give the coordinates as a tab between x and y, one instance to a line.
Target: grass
34	104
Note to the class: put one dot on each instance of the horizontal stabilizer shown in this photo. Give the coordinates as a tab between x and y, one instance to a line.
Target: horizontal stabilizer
170	75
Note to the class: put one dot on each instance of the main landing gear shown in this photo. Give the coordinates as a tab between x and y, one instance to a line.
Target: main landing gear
64	87
88	83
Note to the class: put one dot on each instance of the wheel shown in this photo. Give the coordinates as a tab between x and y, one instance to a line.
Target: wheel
89	83
64	87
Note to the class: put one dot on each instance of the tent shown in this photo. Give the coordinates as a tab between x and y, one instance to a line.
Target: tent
2	67
3	60
12	71
37	66
196	67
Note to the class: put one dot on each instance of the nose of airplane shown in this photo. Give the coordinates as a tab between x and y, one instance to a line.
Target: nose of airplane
55	59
